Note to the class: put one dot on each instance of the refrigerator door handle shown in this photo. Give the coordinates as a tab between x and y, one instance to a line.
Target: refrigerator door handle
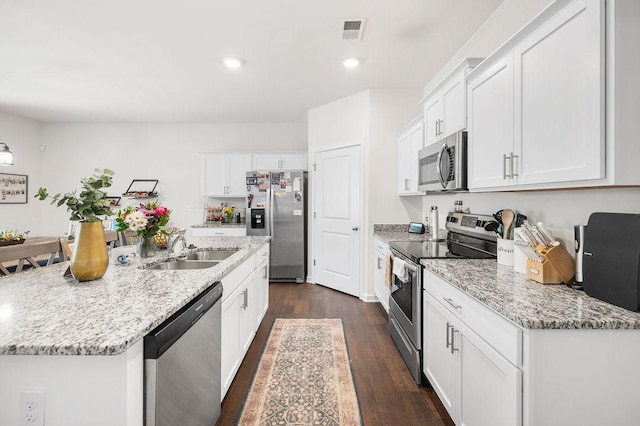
271	229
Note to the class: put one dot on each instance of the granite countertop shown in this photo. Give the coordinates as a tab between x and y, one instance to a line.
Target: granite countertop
528	303
219	225
44	313
389	233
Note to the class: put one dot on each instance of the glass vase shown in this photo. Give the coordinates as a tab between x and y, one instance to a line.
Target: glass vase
147	247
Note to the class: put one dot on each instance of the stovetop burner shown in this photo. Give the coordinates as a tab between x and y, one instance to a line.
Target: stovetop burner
466	239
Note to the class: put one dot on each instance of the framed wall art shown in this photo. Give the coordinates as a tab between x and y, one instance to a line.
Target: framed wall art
13	188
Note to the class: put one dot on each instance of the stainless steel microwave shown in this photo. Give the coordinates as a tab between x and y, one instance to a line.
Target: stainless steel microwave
442	166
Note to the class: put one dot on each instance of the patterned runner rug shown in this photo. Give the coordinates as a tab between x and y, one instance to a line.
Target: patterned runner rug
303	378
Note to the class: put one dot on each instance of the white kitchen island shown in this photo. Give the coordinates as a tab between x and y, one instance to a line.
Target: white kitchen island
82	342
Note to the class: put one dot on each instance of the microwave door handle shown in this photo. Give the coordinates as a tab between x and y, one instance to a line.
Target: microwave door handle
438	168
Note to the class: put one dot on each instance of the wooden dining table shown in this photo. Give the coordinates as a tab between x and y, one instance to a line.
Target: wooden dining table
45	248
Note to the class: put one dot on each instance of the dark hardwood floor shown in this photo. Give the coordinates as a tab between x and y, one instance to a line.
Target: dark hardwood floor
386	391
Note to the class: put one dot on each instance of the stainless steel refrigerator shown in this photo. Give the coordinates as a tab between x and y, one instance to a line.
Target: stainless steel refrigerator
276	206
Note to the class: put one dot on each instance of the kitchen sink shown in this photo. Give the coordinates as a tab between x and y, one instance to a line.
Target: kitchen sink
184	264
206	255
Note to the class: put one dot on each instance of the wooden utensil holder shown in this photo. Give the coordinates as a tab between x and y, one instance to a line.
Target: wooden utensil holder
557	266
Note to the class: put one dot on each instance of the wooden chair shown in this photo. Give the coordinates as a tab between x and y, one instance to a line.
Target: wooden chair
111	237
16	258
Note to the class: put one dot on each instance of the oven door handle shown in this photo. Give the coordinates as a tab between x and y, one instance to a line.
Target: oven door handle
410	266
438	168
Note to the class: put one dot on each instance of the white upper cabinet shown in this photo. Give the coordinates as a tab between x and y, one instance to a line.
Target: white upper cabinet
559	97
569	69
445	106
432	119
280	160
490	125
410	141
224	174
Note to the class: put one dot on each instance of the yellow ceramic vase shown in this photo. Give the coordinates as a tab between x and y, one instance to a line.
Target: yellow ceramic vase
89	260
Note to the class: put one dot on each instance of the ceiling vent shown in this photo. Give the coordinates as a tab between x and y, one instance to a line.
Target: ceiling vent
352	29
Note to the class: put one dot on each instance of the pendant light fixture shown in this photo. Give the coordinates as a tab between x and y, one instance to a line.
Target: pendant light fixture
6	156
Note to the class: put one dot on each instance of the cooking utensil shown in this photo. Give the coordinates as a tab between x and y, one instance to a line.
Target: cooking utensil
507	222
525	244
532	233
498	216
491	226
520	218
546	234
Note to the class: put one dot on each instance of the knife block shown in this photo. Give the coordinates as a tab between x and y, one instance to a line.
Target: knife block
557	266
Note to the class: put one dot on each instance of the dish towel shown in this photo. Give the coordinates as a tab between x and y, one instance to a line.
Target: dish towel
400	269
388	275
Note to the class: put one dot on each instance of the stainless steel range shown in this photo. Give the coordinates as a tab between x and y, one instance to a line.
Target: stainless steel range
466	239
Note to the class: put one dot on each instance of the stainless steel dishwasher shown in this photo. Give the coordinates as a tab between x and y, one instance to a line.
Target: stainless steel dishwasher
182	365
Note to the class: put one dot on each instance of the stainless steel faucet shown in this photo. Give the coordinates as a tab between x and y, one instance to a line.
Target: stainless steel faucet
174	237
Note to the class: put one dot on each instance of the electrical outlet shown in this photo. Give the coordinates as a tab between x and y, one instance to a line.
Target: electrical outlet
31	409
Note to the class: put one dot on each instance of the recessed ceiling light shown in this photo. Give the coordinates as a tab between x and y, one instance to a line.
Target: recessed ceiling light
232	62
351	62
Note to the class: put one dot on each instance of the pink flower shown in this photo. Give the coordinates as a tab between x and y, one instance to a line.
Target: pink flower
160	211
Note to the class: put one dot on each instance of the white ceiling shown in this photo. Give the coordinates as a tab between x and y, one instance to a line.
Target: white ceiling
161	60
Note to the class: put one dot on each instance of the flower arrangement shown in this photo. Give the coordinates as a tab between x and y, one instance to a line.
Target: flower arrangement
146	220
228	214
91	203
12	235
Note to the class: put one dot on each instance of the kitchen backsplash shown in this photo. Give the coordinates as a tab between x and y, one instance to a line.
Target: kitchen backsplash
560	210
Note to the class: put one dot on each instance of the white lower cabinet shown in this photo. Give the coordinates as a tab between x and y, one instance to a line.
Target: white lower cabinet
262	284
438	362
380	252
243	309
476	383
490	387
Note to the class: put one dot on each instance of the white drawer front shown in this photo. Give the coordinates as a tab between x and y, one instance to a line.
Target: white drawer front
263	254
237	276
504	336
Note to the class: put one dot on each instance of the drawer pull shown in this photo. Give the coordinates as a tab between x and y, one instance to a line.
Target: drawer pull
449	301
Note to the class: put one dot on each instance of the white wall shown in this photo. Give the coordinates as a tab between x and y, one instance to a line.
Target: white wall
23	136
370	119
558	209
503	23
168	152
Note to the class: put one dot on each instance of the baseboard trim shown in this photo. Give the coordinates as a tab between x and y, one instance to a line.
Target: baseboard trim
369	297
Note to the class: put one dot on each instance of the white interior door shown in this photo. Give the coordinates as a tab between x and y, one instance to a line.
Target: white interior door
337	202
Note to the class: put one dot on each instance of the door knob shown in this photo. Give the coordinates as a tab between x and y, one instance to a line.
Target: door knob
355	228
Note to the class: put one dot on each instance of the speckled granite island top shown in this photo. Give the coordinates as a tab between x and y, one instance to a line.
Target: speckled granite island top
44	313
529	303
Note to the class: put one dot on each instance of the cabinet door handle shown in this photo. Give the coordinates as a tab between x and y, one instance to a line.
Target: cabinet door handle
406	184
506	157
450	301
264	276
246	302
514	163
453	348
440	123
436	125
379	267
449	326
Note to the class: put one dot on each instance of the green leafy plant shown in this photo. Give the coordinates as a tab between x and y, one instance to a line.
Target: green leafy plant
90	203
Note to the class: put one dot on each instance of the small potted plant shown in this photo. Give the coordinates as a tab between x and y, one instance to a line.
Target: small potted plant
89	260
